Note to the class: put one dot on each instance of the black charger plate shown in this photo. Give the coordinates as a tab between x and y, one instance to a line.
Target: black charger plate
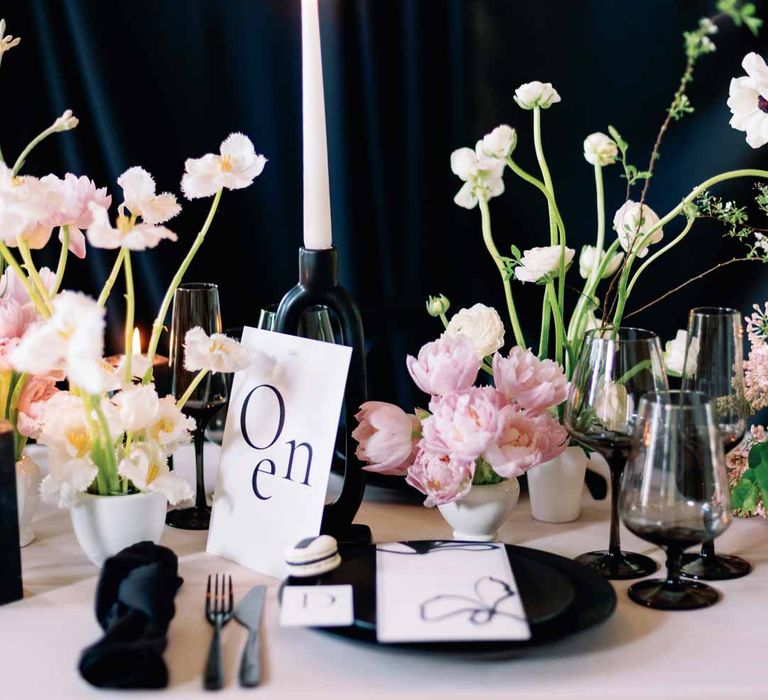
560	596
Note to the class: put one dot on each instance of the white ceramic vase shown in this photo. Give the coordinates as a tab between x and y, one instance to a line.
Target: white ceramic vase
479	514
104	525
27	497
555	487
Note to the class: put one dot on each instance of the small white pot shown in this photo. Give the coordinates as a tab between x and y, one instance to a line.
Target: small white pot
555	487
479	514
106	524
27	497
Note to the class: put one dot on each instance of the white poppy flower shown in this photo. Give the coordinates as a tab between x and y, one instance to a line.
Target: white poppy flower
536	94
537	264
499	143
217	352
482	325
137	407
236	167
588	260
748	100
600	149
147	468
170	428
140	198
66	480
675	359
480	175
631	226
128	234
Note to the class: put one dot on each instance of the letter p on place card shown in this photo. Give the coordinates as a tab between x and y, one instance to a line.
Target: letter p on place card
278	446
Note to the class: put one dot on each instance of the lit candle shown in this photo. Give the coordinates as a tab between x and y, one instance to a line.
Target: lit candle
317	198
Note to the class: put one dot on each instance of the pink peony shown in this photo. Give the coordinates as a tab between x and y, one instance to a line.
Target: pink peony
534	384
463	423
551	435
385	438
34	395
445	365
440	477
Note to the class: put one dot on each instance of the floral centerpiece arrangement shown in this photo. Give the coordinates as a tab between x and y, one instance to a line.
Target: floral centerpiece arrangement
638	233
109	432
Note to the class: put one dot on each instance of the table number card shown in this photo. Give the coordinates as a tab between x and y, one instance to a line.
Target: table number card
447	592
317	606
277	450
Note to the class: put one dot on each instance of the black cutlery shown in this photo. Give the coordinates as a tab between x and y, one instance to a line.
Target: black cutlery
218	612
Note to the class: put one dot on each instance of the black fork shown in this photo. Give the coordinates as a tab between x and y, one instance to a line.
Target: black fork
218	611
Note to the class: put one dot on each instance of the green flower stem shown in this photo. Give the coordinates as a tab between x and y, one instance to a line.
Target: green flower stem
544	337
41	308
191	388
491	246
110	282
159	323
695	192
639	367
559	329
659	253
30	146
130	304
62	260
592	280
109	463
444	319
34	275
13	412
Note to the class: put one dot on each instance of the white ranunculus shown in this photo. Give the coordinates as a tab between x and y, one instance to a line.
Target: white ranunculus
140	198
748	100
482	325
137	407
170	428
588	260
537	264
632	226
536	94
675	359
480	175
147	468
217	352
600	149
499	143
613	406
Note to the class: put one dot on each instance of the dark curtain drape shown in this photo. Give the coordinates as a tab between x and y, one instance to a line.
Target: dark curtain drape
407	81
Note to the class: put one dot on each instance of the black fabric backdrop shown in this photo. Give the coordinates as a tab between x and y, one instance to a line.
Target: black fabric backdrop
407	81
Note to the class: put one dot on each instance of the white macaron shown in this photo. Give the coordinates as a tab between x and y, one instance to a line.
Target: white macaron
313	556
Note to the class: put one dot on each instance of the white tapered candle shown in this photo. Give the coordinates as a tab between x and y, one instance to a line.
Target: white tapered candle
317	197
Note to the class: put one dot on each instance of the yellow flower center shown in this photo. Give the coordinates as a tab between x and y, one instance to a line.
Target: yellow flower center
162	426
226	164
79	440
124	224
517	439
152	471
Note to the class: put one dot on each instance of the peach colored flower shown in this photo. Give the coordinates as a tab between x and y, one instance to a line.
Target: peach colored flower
444	365
127	234
440	477
385	437
34	395
534	384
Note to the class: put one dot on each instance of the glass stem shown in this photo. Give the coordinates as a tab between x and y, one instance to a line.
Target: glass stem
674	556
199	440
616	465
708	549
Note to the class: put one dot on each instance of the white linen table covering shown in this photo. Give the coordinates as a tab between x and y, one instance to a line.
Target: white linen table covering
638	653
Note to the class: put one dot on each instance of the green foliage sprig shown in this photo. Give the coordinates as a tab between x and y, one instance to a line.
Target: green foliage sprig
753	485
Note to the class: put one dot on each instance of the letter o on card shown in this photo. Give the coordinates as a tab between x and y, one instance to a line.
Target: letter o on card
258	423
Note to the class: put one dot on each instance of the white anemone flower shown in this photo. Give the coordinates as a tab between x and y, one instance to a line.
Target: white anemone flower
128	232
146	466
632	225
536	94
216	353
140	198
237	166
481	175
748	100
540	264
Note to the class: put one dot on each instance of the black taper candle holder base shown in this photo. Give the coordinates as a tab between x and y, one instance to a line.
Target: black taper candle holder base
319	284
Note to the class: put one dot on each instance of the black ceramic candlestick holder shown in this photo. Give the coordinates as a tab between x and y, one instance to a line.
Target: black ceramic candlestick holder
10	551
319	284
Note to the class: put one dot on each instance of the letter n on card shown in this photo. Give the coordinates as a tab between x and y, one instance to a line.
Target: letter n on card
278	447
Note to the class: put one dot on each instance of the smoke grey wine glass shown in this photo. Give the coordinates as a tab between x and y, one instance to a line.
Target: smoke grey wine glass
714	364
674	491
615	368
195	304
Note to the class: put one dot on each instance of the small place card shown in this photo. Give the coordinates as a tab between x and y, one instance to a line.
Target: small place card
278	446
447	592
316	606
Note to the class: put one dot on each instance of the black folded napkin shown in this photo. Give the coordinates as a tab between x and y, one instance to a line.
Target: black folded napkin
134	606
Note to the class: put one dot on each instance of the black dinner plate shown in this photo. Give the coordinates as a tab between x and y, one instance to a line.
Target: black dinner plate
560	596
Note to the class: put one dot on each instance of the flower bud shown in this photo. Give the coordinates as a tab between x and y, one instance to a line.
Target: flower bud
600	149
536	94
437	306
66	121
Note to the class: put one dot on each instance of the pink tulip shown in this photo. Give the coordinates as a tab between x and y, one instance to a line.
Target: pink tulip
12	288
32	401
385	437
440	477
533	384
463	423
445	365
